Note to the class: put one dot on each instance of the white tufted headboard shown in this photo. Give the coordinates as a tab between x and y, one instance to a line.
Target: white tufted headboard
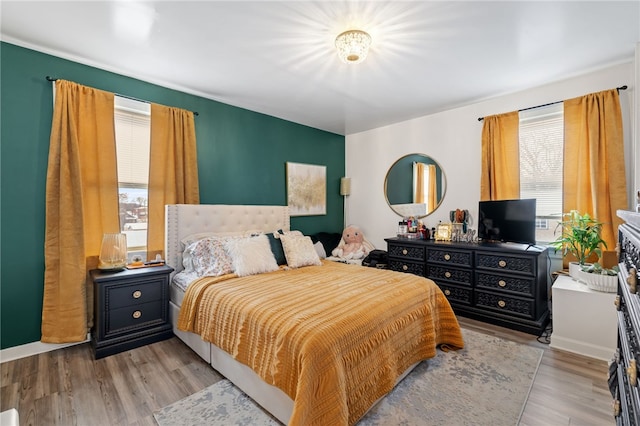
182	220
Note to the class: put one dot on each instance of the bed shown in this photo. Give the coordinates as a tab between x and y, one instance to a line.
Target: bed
313	343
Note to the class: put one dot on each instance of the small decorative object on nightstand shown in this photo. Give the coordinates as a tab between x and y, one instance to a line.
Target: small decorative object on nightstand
131	309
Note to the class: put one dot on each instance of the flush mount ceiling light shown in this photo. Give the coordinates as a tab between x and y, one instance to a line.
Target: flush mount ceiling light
353	46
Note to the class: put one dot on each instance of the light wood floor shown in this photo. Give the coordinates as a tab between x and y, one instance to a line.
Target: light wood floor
69	387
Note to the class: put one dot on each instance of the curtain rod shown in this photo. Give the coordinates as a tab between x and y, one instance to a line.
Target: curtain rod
553	103
128	97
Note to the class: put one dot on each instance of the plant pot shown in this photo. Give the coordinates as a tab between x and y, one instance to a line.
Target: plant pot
575	270
599	282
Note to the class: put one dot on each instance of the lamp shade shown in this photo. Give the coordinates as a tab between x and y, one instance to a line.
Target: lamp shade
113	253
345	186
353	46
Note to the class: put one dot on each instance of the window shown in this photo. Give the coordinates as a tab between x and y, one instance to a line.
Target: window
133	135
541	160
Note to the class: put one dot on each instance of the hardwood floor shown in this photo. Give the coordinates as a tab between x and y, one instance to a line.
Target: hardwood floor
69	387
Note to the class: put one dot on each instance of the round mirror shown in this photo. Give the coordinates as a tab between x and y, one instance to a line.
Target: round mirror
415	186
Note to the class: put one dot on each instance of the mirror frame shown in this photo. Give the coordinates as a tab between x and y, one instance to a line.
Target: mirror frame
431	161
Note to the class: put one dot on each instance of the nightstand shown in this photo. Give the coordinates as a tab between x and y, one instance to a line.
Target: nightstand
131	309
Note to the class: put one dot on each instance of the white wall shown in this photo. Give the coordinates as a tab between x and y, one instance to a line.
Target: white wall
453	139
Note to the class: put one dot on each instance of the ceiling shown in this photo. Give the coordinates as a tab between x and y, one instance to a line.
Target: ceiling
278	57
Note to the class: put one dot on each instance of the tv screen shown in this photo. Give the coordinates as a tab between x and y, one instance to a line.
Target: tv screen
507	221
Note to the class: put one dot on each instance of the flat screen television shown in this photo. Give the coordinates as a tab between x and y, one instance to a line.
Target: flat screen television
507	221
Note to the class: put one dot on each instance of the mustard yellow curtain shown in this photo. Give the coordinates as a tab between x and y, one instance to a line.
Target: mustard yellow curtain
81	205
594	170
432	200
173	169
500	178
418	182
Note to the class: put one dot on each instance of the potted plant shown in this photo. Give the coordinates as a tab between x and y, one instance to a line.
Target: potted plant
600	279
581	237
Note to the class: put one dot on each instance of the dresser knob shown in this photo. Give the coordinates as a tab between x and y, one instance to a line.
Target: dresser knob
616	408
632	372
447	292
502	263
617	302
137	314
405	267
447	274
502	283
632	280
502	303
447	256
137	294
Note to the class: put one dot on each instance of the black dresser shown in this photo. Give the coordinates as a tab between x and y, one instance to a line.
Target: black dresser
502	284
623	372
131	309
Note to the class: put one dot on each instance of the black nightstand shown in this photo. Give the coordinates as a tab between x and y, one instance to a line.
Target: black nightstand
131	309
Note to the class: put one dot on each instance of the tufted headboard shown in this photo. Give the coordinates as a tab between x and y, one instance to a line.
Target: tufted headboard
182	220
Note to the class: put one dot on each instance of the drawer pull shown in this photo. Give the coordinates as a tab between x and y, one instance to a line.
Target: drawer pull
502	263
137	294
502	303
632	372
137	314
447	256
404	252
617	302
632	280
616	408
447	292
502	283
405	267
447	274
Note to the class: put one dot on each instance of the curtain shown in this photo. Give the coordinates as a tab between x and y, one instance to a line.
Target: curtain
432	201
173	169
418	182
594	170
500	178
81	205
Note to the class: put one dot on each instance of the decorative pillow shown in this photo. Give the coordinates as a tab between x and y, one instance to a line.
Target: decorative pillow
207	257
192	238
251	255
320	250
276	247
299	251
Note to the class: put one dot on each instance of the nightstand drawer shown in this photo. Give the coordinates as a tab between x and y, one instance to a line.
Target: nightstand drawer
451	257
135	293
522	285
134	316
518	264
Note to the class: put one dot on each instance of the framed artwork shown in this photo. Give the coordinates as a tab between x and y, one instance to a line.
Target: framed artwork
443	232
306	189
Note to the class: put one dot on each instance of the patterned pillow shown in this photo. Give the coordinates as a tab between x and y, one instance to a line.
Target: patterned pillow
299	251
207	257
251	255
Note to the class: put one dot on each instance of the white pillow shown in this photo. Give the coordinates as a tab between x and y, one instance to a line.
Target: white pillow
251	255
322	254
299	251
207	257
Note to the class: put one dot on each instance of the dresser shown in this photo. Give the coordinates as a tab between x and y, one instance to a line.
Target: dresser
502	284
131	309
623	372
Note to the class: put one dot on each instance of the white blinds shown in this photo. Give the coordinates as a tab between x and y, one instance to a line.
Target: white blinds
133	135
541	158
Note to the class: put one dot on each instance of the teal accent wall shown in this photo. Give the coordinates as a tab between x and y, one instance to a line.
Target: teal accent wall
242	159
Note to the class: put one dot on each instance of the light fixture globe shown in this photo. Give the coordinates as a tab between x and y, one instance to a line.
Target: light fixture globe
353	46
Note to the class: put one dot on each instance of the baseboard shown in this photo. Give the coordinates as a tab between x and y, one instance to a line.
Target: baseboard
582	348
34	348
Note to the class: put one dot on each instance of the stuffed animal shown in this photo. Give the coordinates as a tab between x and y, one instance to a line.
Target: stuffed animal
352	245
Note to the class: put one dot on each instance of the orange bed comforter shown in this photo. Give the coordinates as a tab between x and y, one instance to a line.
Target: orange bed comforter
335	337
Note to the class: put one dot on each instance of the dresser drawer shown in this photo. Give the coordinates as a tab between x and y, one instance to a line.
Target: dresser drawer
523	286
458	295
507	304
134	293
406	251
451	257
451	275
136	316
518	264
406	266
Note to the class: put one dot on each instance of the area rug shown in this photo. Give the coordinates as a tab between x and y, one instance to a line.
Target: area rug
486	383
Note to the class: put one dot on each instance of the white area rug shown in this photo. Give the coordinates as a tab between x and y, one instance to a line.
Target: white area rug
486	383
